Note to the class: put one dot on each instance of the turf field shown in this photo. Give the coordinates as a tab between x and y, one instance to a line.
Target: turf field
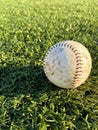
28	101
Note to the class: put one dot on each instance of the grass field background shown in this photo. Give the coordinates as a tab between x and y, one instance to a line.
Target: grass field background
28	101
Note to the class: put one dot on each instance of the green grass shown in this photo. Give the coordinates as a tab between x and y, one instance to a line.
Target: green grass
28	101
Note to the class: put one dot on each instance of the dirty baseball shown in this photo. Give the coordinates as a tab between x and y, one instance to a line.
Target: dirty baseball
67	64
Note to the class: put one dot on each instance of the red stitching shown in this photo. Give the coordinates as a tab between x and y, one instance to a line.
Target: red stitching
78	57
71	47
79	63
75	77
77	53
78	71
77	80
79	60
68	45
77	74
79	67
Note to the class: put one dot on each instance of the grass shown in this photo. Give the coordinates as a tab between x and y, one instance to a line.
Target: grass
28	101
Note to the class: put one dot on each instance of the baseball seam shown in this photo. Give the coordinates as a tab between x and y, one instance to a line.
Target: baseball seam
79	63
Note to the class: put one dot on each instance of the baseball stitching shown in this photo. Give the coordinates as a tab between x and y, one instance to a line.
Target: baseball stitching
79	61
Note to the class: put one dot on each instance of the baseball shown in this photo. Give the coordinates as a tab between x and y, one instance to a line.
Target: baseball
67	64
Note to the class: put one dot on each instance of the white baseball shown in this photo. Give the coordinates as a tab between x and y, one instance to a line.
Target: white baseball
67	64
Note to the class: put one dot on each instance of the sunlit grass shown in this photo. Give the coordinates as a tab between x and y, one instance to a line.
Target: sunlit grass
28	101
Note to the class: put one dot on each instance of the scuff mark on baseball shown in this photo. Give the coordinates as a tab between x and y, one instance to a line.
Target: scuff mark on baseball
67	64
